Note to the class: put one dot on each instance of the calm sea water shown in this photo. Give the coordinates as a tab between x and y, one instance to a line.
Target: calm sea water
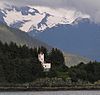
53	93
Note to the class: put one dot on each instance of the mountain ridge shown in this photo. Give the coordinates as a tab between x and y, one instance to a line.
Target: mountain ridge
27	16
82	39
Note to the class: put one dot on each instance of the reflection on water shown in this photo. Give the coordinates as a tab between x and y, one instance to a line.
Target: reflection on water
53	93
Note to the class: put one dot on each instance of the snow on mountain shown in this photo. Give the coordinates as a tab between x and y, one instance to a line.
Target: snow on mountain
28	18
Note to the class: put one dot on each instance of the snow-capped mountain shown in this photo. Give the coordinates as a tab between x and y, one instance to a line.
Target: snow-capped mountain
68	30
28	18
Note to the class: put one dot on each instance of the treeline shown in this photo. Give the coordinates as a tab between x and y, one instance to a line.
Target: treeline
20	64
85	72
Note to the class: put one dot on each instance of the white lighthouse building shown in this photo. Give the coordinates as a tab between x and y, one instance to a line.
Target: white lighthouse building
46	66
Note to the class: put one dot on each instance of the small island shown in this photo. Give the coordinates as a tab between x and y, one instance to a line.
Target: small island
21	70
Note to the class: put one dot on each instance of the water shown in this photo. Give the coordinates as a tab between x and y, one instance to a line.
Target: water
53	93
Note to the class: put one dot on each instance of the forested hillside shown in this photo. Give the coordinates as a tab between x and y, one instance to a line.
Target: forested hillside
20	64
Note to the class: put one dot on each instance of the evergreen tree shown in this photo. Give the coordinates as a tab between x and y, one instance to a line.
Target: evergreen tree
56	57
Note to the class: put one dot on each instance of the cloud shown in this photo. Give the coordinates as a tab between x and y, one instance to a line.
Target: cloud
91	7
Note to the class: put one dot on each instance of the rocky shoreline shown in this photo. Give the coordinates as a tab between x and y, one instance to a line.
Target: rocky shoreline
50	88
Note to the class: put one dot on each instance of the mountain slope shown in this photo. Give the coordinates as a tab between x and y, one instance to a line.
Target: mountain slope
72	59
9	34
82	38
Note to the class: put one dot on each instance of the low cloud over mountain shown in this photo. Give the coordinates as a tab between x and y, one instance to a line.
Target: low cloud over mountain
90	7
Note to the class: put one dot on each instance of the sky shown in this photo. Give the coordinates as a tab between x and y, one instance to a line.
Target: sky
90	7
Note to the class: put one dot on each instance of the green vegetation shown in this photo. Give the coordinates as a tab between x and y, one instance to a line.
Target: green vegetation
20	64
17	64
85	72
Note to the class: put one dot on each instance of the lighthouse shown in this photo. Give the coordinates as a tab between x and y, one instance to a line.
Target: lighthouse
46	66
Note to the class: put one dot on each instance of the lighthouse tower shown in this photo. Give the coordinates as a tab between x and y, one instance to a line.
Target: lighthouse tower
41	57
46	66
